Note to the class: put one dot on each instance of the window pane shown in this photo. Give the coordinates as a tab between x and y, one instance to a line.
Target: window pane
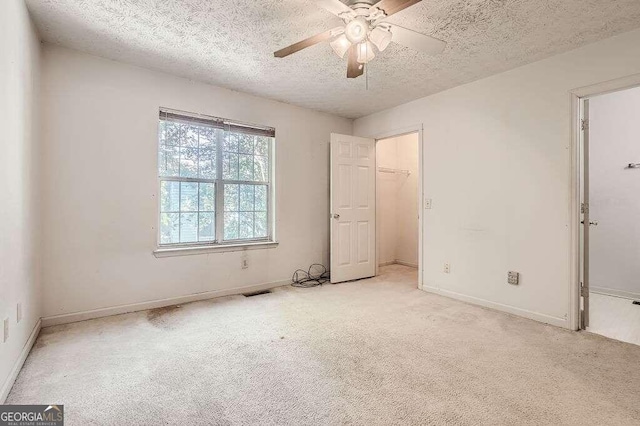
261	198
262	145
230	166
231	142
173	133
208	137
246	167
261	168
169	196
190	138
245	229
207	168
246	144
207	226
260	230
169	228
231	225
188	227
246	198
168	161
188	162
230	198
207	197
189	197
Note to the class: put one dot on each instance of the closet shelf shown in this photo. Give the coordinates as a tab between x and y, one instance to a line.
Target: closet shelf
396	171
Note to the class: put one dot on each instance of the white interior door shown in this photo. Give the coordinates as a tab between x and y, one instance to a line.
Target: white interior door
353	208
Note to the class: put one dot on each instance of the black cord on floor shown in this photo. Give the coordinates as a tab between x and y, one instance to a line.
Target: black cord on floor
316	275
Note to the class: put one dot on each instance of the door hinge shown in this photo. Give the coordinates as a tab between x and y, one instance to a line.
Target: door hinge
584	207
584	124
584	291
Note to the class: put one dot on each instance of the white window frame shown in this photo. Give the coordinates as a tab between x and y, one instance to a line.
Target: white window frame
219	244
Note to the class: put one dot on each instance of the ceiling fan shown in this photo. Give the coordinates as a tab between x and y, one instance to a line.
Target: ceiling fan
364	31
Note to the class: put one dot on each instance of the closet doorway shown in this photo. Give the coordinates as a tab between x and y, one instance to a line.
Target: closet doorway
398	202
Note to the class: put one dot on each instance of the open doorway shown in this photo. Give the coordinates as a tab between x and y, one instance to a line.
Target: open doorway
397	203
610	209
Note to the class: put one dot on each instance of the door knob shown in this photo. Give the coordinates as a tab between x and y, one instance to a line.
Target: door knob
336	216
591	222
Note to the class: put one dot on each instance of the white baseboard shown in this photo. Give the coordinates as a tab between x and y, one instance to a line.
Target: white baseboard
153	304
615	293
536	316
402	262
8	384
398	262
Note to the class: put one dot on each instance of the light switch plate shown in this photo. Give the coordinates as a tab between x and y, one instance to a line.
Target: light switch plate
513	278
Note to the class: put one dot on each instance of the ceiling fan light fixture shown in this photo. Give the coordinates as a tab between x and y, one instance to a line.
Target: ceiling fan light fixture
381	37
366	52
340	45
356	30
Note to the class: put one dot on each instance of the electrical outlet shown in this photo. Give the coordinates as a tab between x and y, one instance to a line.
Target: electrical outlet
513	277
447	268
18	312
244	261
5	334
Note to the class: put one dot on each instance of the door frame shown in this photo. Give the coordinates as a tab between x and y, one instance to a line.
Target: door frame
418	128
578	96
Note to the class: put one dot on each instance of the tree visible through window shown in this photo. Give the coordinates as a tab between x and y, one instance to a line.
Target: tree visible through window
215	180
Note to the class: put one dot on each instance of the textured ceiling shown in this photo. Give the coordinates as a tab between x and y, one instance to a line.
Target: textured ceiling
230	43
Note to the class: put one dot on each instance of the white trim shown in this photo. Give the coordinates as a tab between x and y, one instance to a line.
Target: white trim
577	96
153	304
8	384
398	262
536	316
409	264
615	293
217	248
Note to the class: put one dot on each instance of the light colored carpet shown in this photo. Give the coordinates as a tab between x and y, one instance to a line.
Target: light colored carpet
376	351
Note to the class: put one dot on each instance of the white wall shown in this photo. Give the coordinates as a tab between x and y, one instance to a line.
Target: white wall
100	135
615	192
397	200
19	78
497	165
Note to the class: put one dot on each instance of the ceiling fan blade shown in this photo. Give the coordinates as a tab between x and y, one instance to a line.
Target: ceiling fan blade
417	41
389	7
334	6
296	47
354	68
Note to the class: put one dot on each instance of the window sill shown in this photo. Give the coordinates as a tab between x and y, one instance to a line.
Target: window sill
220	248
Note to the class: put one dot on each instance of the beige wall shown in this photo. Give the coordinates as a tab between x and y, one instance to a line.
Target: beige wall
497	165
19	212
397	200
99	185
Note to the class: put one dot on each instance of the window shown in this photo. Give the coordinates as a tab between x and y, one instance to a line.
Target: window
215	181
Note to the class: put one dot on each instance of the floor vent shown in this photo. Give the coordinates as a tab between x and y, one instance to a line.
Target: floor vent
256	293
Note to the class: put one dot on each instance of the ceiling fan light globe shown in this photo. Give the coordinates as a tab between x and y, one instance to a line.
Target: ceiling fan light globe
340	45
366	52
381	38
356	30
